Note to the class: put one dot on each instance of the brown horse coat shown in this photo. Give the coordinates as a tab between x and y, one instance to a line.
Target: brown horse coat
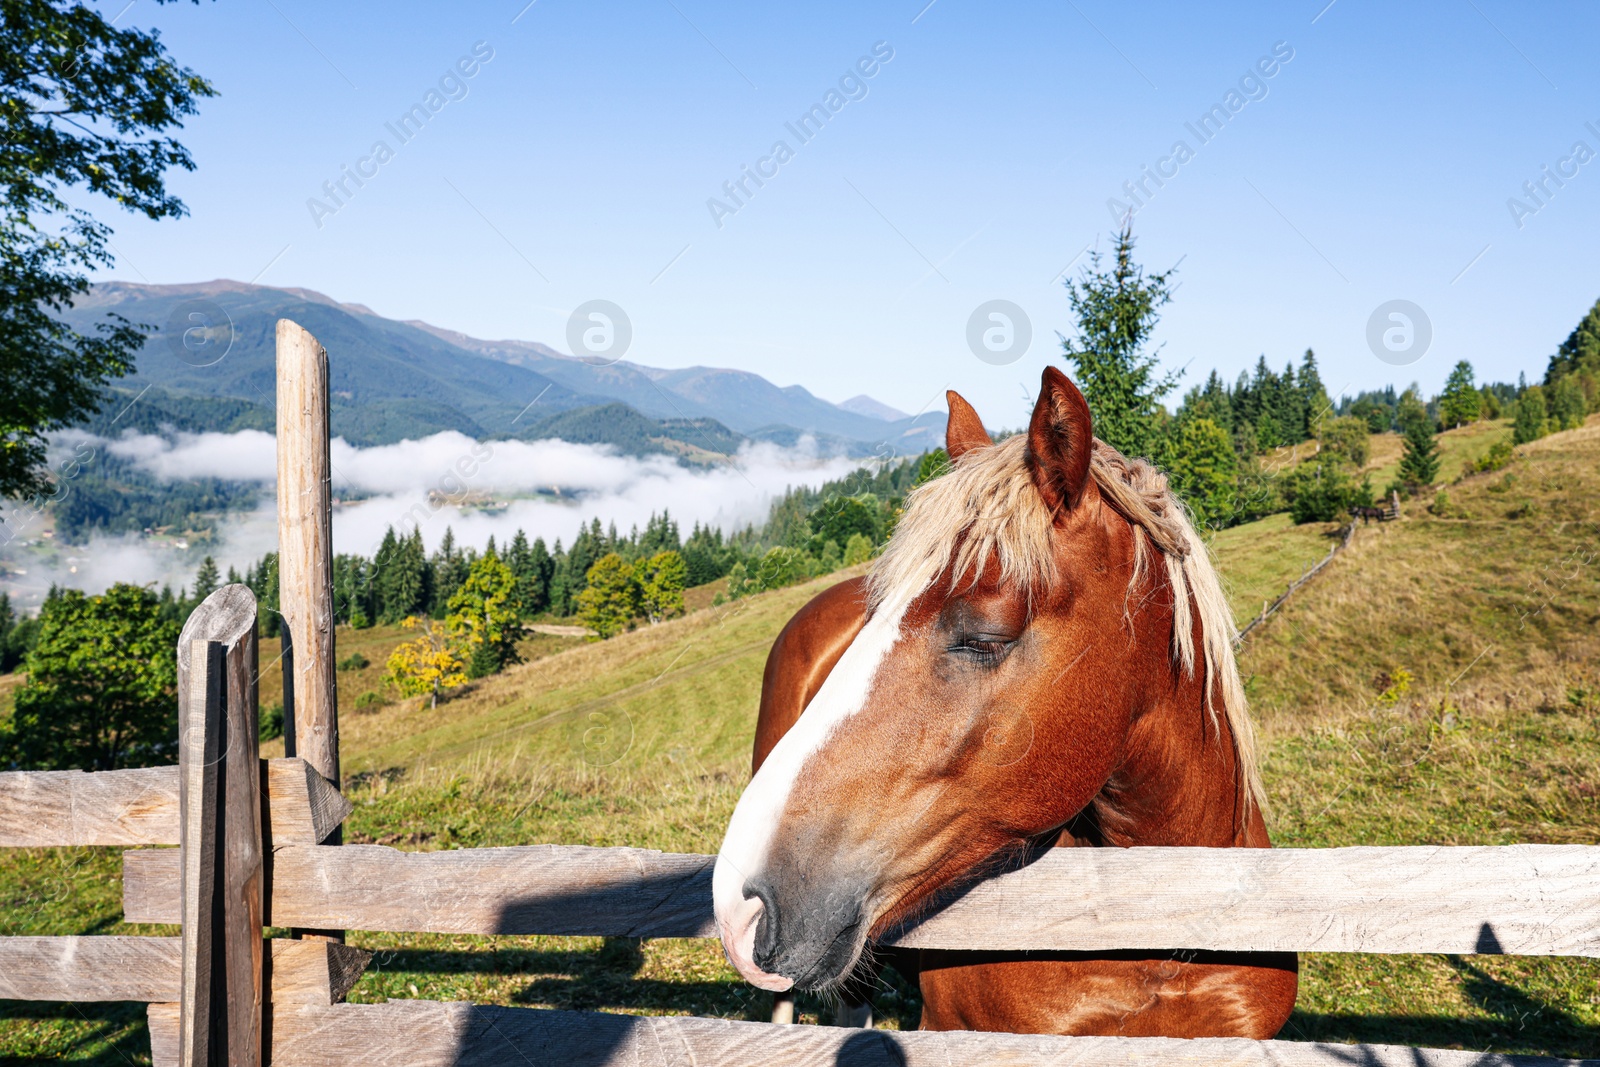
1121	746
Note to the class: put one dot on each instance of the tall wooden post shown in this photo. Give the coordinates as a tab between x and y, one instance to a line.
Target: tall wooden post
200	728
305	545
305	555
221	852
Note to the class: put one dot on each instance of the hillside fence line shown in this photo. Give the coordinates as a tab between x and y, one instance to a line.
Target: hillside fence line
258	845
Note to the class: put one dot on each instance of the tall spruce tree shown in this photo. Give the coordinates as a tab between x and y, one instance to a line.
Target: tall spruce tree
1314	401
1116	308
205	580
1419	464
1460	402
1580	352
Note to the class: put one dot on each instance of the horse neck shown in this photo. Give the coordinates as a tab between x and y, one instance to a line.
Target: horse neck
1179	782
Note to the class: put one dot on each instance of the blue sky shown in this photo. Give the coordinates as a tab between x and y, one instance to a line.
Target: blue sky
976	166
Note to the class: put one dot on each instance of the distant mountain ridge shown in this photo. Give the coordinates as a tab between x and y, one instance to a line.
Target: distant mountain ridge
872	409
392	379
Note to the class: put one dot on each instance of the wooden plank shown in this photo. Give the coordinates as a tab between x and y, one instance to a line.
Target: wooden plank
314	973
150	878
431	1034
611	892
90	968
306	808
163	1020
200	726
228	617
1513	899
42	809
1533	900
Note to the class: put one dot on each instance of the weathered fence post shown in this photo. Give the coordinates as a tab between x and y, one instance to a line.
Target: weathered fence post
305	536
220	834
200	729
305	558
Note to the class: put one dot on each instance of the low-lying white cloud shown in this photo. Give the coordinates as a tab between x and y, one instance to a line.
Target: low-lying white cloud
447	480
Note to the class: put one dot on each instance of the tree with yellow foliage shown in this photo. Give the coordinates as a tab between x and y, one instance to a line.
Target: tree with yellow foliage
430	663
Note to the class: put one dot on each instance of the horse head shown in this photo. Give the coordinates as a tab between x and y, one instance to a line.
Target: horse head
1032	602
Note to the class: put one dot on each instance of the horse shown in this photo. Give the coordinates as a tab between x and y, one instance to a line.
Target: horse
1040	657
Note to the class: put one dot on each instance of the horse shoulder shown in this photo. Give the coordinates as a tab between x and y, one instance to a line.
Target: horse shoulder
802	657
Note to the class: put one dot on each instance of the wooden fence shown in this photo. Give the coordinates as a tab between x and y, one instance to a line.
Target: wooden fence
257	846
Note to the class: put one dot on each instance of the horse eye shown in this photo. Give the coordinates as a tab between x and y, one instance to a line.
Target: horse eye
981	648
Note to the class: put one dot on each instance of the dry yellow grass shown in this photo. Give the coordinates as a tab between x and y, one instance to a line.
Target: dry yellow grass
1494	600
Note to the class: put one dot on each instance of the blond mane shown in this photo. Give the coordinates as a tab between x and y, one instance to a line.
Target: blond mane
986	509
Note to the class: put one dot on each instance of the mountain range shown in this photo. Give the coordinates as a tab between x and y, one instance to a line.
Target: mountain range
392	380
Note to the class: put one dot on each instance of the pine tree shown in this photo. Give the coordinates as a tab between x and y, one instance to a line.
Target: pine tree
931	465
1290	415
1209	401
400	577
560	580
660	535
1419	464
449	566
1580	352
1313	396
1460	403
706	555
205	580
1116	310
587	548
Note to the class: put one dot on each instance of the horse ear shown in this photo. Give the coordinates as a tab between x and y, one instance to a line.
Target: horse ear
964	431
1060	441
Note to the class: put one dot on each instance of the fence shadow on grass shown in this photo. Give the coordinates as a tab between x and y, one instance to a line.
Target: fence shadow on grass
1514	1022
607	979
96	1035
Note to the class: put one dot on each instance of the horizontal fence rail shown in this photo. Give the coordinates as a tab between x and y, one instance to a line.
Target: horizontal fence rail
90	968
52	809
1531	900
42	809
432	1034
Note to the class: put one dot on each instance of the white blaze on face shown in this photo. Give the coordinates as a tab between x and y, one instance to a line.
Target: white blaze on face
755	818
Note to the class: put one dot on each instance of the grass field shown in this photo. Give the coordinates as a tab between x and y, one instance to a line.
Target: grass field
1492	607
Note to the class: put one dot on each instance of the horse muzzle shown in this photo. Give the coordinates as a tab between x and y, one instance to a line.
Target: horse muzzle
781	933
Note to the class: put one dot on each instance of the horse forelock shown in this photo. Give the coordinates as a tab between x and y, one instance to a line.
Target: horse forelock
986	509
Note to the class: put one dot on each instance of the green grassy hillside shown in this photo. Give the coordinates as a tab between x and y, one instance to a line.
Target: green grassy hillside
1490	607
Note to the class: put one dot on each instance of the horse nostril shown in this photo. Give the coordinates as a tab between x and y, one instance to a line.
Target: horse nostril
765	947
